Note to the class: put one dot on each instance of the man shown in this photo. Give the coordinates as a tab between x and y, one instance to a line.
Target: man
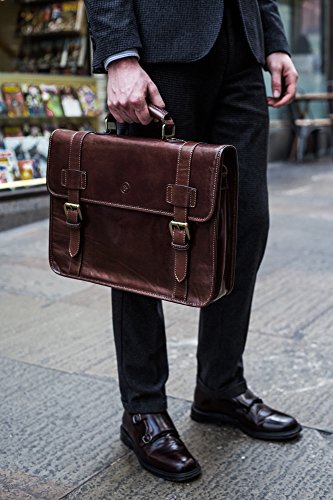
202	60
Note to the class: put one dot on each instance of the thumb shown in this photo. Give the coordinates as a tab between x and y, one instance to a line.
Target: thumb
276	83
154	95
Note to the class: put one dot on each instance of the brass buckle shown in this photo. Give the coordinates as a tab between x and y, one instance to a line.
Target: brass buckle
181	226
73	206
165	135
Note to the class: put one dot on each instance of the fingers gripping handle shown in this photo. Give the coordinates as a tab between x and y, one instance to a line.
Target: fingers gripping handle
168	126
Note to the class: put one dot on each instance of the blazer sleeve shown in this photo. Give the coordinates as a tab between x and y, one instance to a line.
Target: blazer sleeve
274	34
113	29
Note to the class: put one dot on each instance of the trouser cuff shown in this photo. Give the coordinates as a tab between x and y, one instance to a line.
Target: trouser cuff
230	390
142	407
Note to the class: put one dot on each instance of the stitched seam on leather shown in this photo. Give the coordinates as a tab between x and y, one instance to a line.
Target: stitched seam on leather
138	207
168	197
130	289
74	239
218	158
70	149
83	180
49	153
130	207
175	257
191	194
181	278
64	177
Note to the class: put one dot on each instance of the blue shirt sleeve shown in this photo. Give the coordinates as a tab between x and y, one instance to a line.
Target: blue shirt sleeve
121	55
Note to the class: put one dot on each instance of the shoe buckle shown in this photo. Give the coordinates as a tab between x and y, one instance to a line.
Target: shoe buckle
146	438
136	419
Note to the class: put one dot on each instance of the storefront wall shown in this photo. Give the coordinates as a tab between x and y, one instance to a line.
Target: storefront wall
308	28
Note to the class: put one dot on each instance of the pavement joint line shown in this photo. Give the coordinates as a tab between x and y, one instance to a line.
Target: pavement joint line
313	320
57	370
97	473
326	432
264	304
289	336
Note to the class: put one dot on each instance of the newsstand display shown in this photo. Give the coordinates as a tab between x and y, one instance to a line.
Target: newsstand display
45	83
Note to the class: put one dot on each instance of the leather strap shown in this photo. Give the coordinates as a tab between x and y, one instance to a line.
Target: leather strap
75	180
155	425
180	232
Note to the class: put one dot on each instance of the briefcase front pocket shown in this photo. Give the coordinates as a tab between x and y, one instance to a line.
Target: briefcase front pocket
144	215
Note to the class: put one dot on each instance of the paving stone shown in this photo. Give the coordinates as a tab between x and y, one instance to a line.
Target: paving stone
20	485
23	280
70	338
234	466
57	427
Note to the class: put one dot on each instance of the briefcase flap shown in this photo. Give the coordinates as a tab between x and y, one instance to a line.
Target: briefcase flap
138	174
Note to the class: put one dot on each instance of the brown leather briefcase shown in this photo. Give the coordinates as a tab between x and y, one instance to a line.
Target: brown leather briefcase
151	216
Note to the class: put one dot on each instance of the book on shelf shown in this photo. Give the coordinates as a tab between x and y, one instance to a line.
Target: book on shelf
50	18
29	156
8	166
51	98
12	131
88	101
14	100
70	102
33	99
60	55
26	168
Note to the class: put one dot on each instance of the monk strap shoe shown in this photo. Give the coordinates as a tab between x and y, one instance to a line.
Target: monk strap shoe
158	447
247	412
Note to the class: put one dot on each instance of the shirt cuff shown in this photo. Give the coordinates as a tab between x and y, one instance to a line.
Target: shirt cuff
121	55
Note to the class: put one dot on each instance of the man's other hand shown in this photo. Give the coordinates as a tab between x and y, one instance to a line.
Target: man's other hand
129	89
284	79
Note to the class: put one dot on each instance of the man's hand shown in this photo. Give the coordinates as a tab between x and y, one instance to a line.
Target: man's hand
284	79
129	89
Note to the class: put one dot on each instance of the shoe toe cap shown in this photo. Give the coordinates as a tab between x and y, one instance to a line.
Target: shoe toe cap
280	422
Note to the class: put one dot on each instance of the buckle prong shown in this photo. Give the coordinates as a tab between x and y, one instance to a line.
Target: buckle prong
181	226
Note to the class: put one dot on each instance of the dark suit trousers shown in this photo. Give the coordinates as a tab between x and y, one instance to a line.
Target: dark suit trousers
219	99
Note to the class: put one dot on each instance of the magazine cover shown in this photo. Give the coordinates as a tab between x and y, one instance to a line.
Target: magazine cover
33	99
68	15
14	100
88	101
12	131
30	148
51	99
8	166
70	102
26	169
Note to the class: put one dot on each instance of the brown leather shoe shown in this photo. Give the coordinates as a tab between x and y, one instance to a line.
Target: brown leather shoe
248	413
156	443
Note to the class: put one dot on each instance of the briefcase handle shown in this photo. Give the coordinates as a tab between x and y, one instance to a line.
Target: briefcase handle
168	125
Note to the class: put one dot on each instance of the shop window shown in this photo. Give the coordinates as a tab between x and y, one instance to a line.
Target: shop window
305	22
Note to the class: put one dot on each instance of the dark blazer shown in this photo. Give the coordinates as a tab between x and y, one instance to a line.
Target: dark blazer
178	30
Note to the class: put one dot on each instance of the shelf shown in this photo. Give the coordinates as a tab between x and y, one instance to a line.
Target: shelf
19	184
38	119
38	2
52	34
51	78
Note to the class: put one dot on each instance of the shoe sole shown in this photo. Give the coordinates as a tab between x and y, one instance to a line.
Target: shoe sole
222	419
169	476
